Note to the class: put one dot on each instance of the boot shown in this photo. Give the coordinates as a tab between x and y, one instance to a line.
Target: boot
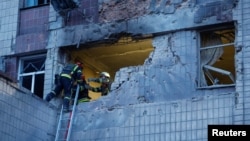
49	96
65	105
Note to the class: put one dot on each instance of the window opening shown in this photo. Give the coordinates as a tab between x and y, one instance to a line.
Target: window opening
31	74
217	58
32	3
63	7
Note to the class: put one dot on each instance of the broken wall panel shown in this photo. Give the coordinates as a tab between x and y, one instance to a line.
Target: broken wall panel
153	21
145	101
154	121
218	9
84	14
171	74
122	10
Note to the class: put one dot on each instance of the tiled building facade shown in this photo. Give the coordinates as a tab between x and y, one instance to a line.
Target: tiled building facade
166	98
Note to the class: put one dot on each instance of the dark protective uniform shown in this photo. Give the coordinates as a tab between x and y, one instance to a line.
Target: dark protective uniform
83	92
71	73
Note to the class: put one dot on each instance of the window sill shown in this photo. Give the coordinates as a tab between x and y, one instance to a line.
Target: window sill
216	86
35	6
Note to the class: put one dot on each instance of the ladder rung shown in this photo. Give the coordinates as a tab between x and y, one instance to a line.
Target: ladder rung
63	119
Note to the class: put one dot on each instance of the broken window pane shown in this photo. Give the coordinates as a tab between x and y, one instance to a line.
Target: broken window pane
217	58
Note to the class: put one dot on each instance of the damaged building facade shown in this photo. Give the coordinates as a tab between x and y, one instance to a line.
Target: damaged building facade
177	66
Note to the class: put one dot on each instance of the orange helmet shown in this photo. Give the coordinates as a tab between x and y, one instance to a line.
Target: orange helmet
83	77
80	64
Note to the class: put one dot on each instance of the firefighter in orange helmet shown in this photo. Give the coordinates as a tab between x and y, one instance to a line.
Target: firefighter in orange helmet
70	74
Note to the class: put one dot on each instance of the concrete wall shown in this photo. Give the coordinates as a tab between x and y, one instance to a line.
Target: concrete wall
24	116
154	102
153	17
241	15
182	120
9	23
159	100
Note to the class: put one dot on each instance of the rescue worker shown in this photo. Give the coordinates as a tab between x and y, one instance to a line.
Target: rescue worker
70	74
104	80
83	95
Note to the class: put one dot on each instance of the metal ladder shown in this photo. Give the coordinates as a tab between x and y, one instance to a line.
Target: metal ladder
64	126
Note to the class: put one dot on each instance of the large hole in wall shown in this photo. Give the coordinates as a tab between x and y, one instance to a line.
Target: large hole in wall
110	56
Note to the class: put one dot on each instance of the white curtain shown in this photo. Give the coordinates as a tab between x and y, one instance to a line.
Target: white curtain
211	55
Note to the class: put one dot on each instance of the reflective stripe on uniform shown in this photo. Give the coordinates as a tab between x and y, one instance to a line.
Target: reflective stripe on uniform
67	97
81	88
74	69
53	92
83	100
66	75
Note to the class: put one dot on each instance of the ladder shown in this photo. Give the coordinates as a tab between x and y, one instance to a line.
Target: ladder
64	126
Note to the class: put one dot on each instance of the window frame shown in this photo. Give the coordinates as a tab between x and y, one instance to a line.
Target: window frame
210	68
33	74
36	3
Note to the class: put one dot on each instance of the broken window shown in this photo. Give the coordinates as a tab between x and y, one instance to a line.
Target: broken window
31	73
31	3
63	6
217	58
111	55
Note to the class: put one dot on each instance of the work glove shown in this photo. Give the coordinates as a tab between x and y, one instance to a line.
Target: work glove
104	80
74	83
87	86
79	81
91	79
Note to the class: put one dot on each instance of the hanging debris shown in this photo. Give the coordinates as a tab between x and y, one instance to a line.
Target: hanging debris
64	6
